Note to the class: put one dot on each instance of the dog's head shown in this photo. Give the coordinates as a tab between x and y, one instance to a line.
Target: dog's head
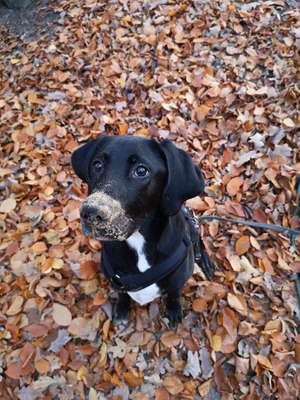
129	178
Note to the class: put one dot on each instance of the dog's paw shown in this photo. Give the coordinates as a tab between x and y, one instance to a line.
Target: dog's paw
174	315
121	312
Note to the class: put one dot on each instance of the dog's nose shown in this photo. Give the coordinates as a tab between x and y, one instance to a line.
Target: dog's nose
94	214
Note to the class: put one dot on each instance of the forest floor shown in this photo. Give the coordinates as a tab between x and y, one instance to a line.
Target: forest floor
219	78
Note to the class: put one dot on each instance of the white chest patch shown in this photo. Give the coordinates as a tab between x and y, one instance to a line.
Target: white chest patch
136	241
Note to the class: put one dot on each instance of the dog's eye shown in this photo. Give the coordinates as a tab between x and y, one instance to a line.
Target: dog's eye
97	165
141	171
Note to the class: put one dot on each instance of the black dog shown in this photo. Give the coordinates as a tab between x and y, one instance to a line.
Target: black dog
137	187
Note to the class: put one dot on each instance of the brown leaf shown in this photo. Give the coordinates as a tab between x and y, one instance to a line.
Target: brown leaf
61	315
34	99
170	339
39	248
37	330
238	303
288	122
264	361
216	342
88	270
199	305
230	321
173	384
14	370
8	205
201	112
83	328
233	186
133	378
162	394
16	306
242	245
42	366
123	128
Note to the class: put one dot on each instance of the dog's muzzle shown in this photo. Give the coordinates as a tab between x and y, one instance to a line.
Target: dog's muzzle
104	218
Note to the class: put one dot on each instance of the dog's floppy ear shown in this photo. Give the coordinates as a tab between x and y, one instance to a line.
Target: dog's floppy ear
185	180
82	156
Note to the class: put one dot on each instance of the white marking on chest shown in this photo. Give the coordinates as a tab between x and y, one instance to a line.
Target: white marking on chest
137	242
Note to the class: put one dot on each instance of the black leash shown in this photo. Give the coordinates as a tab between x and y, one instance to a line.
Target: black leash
293	233
273	227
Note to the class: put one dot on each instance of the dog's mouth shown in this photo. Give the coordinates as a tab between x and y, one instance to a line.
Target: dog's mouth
104	218
118	231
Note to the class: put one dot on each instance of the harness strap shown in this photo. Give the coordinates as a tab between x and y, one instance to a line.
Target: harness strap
140	280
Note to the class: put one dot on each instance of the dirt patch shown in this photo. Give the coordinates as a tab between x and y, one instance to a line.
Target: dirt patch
38	19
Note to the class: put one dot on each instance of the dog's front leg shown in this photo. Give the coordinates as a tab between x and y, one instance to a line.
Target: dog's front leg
173	308
122	308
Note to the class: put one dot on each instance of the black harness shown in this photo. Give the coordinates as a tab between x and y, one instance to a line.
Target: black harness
165	267
140	280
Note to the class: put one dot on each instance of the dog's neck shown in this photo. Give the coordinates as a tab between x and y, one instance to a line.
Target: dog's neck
157	235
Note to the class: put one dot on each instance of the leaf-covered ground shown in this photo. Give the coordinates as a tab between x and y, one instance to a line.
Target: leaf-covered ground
221	78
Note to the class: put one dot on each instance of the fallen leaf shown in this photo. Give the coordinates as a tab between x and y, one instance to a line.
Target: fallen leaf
14	370
238	303
173	384
42	366
192	367
162	394
61	315
37	330
264	361
170	339
16	306
84	328
289	123
8	205
133	379
88	270
62	338
234	185
39	248
242	245
216	342
199	305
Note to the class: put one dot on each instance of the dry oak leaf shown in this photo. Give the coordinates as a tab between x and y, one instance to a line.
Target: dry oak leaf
8	205
170	339
238	303
61	315
233	186
16	306
173	385
242	245
88	269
